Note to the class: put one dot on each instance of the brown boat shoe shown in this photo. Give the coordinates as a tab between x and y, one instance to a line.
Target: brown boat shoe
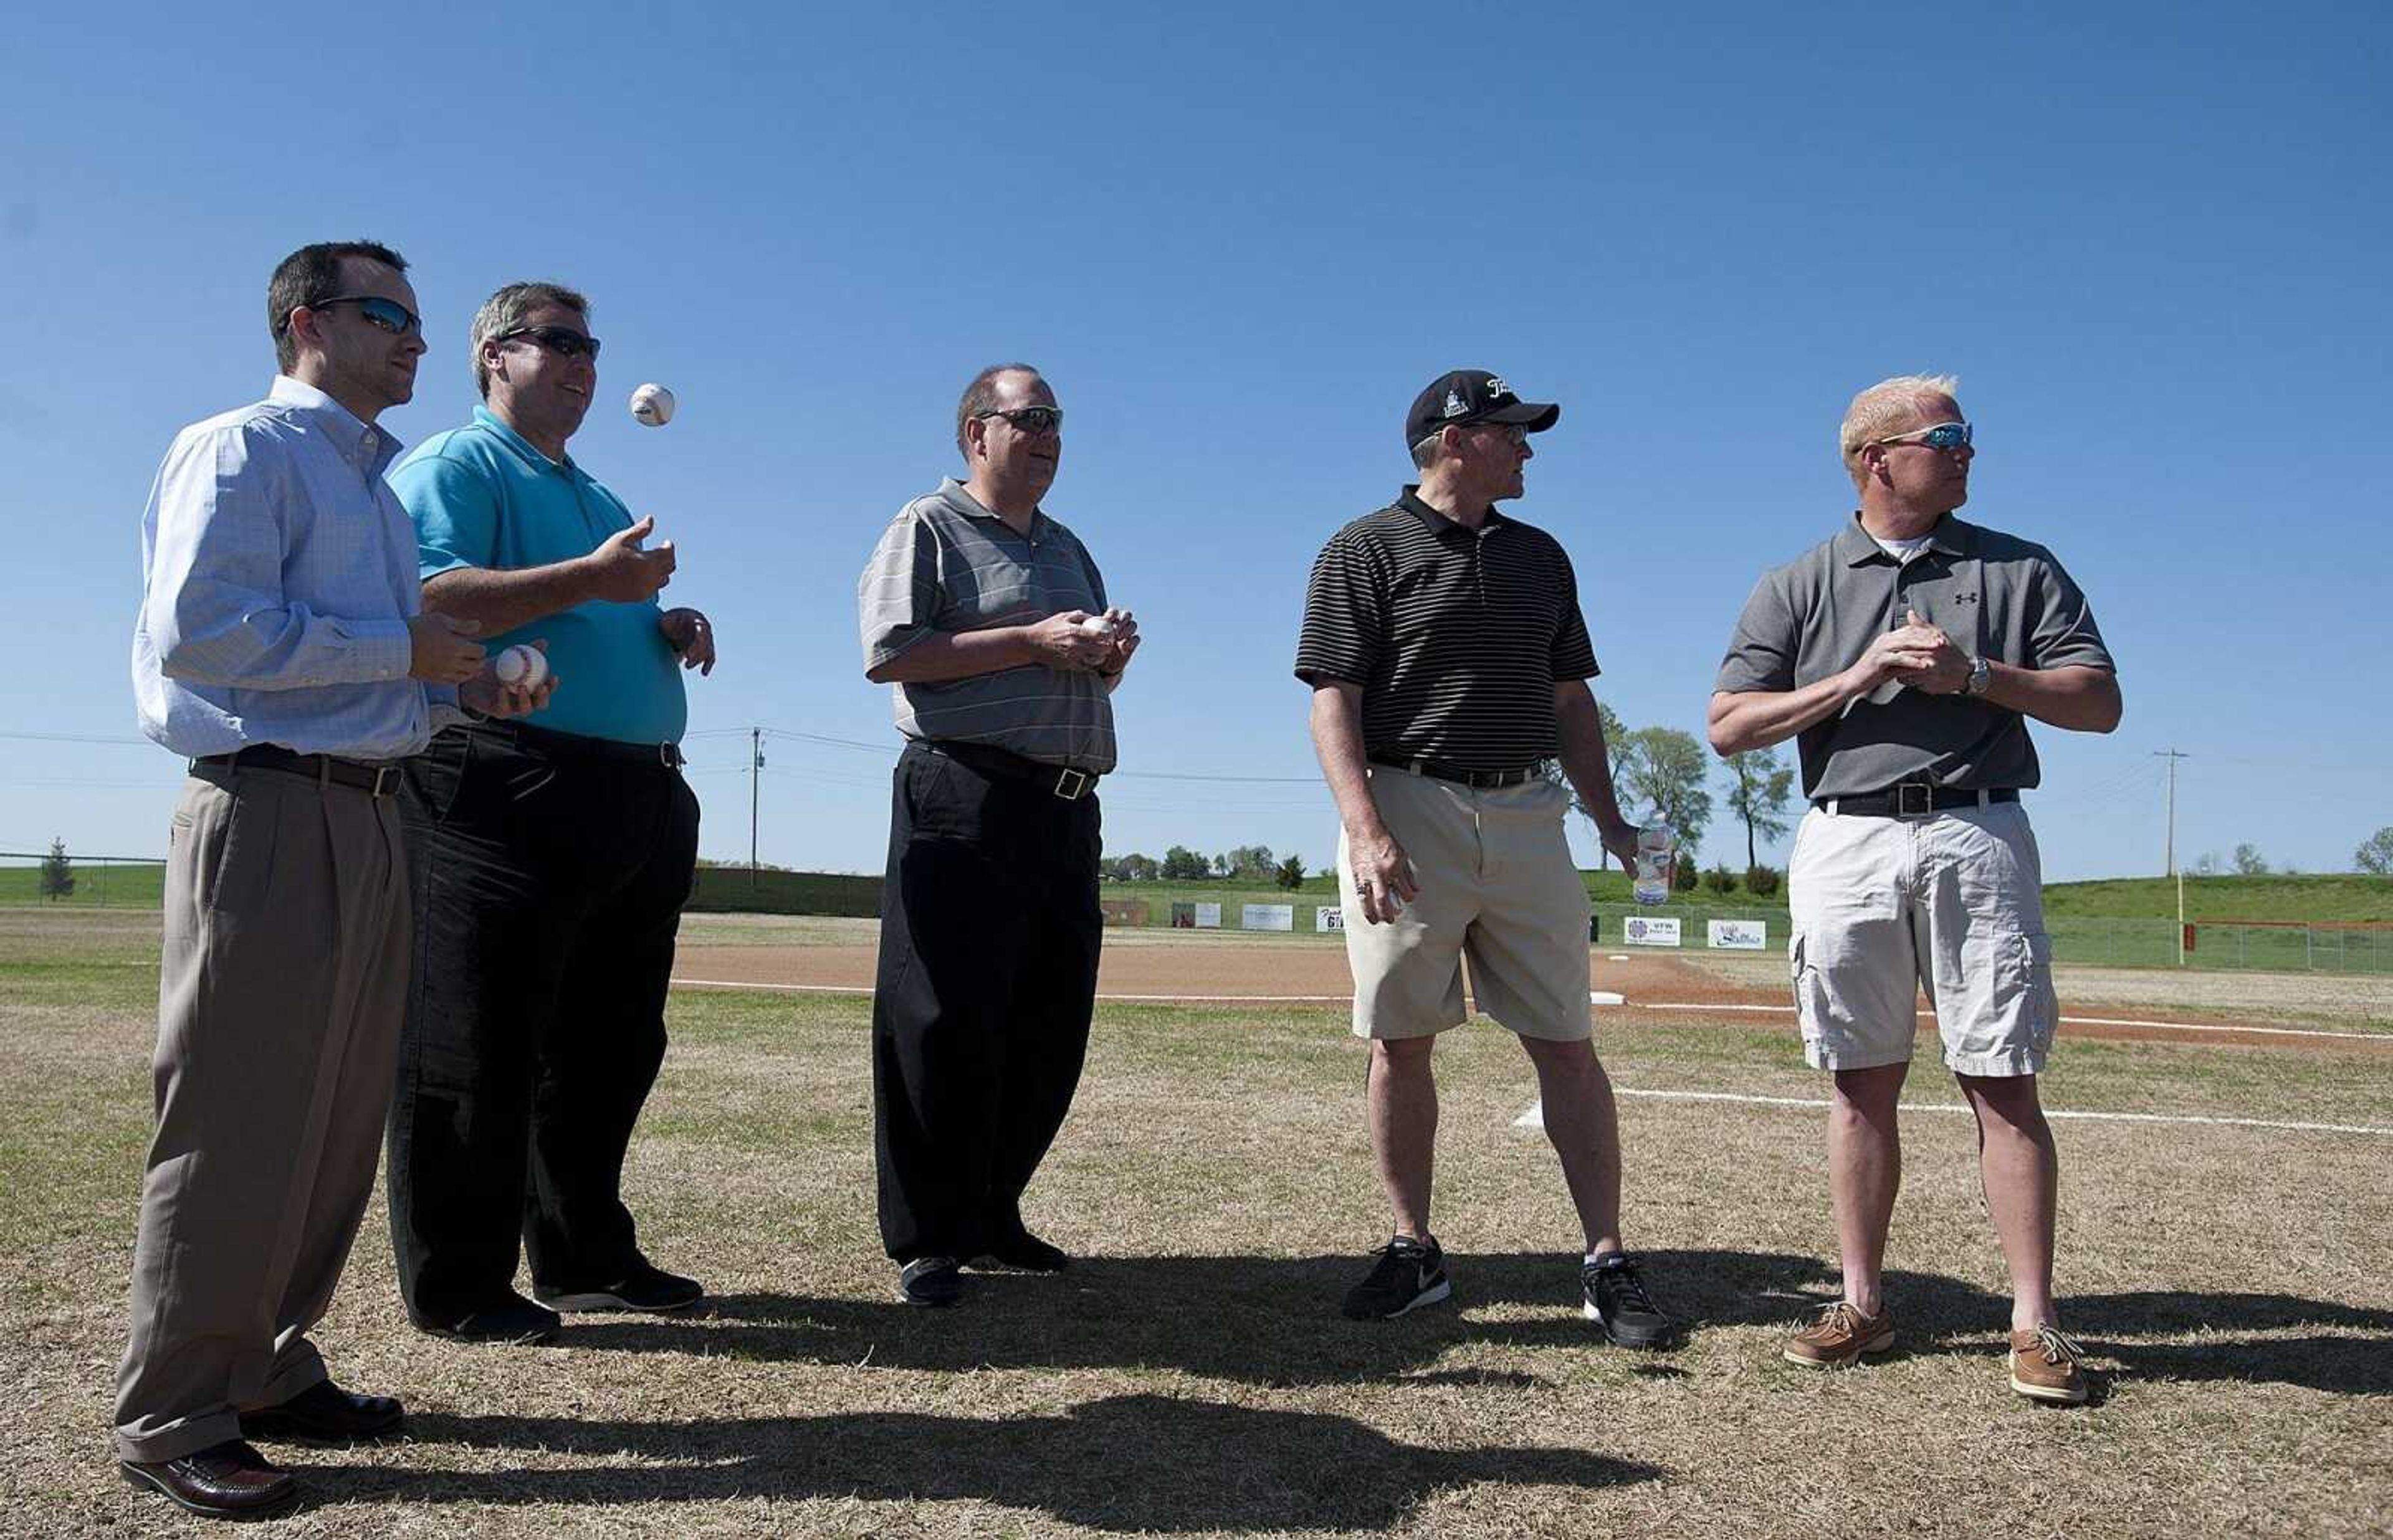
1840	1338
2047	1367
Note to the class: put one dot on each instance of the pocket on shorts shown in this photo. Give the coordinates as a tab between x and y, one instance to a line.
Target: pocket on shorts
2023	980
1810	990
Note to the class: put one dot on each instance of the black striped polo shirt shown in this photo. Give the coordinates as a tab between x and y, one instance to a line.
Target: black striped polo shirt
1458	637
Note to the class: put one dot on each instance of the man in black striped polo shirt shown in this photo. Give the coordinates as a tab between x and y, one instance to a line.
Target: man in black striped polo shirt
1449	663
988	619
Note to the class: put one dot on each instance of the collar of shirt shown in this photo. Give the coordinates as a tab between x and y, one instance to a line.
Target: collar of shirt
1855	546
368	447
1438	524
963	501
522	447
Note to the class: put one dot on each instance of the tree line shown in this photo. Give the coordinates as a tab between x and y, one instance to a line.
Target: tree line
1239	863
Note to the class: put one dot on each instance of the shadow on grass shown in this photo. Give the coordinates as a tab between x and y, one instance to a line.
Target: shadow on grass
1275	1321
1126	1463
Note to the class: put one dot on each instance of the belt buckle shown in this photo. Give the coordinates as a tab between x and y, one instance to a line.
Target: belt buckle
1914	799
383	774
1075	780
669	755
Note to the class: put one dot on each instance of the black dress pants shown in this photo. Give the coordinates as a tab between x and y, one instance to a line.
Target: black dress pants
548	873
989	934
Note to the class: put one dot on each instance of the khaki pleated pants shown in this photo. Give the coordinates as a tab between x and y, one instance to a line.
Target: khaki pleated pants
281	989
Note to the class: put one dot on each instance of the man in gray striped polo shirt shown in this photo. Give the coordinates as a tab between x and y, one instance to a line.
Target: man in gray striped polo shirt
988	619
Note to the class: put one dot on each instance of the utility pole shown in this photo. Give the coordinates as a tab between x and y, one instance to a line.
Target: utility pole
755	783
2169	849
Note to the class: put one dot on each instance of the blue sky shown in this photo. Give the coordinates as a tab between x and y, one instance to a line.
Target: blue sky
2151	239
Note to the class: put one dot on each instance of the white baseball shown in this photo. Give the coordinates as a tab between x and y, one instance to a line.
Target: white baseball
653	405
520	667
1097	625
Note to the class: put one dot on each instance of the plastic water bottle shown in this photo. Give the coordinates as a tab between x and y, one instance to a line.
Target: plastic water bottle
1652	884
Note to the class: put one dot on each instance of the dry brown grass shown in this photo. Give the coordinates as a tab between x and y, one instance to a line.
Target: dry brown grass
1192	1375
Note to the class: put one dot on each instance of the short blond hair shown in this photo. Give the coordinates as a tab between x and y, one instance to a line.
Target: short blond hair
1886	409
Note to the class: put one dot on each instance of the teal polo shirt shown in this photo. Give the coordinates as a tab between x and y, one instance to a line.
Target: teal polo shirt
482	496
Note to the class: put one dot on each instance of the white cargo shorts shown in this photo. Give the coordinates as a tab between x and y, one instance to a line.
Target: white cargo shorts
1884	907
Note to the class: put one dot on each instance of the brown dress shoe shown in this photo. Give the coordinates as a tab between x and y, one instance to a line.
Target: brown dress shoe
1840	1338
2047	1367
224	1481
324	1412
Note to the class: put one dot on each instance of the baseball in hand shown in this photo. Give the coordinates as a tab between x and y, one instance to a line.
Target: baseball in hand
1097	625
520	667
652	405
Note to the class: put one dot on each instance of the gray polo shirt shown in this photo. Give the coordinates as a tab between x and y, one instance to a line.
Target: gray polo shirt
1997	596
947	564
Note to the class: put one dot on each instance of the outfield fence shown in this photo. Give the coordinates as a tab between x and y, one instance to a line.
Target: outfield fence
134	882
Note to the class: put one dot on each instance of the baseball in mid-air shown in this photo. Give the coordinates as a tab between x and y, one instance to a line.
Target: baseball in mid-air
652	405
520	667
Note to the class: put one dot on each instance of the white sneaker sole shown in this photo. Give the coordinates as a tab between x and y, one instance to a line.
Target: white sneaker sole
2057	1396
1438	1293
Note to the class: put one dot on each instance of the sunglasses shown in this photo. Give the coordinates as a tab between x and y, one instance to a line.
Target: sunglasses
388	314
1031	419
1943	435
563	341
1514	432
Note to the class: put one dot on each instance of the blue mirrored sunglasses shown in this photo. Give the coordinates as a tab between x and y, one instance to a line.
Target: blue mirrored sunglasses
388	314
1943	435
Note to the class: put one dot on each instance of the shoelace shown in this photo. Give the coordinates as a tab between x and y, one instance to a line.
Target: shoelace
1631	1286
2057	1347
1843	1317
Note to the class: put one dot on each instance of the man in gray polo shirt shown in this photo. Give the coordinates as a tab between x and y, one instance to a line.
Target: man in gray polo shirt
1904	656
988	619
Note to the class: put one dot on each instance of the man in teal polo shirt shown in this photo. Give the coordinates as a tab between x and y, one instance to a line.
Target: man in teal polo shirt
550	859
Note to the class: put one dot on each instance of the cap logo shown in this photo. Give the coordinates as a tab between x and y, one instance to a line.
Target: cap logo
1495	387
1453	407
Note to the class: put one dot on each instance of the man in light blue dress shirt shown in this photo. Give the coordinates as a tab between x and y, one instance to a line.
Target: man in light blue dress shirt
282	650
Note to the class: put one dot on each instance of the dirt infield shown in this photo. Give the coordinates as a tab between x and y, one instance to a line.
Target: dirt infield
1176	968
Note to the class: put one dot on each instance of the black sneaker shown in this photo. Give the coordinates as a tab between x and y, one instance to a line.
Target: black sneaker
645	1288
1408	1275
1023	1252
1616	1296
932	1281
511	1319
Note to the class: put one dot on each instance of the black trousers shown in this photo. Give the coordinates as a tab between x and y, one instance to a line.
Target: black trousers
547	880
989	934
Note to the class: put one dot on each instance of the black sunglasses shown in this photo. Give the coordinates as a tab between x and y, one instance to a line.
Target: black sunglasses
561	340
388	314
1030	419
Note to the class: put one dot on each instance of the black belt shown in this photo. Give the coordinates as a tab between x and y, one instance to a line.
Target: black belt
1480	779
1064	781
1911	800
556	745
375	780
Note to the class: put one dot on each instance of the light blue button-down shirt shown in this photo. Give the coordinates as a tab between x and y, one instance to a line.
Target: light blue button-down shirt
279	578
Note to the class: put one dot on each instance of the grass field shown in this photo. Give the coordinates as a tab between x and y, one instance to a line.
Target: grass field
1192	1376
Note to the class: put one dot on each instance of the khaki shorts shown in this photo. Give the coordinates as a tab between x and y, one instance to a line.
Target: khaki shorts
1951	904
1497	886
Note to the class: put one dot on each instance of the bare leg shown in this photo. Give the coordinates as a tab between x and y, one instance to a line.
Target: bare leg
1403	1101
1865	1169
1582	1122
2021	1171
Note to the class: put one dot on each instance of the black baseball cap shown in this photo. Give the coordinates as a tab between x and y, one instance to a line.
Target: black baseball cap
1469	395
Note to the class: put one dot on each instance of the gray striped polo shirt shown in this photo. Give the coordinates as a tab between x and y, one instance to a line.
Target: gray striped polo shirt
947	564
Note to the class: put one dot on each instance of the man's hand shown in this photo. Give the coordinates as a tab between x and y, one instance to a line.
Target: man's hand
691	635
1122	643
1062	644
483	693
1897	655
620	572
1384	876
439	652
1620	839
1947	667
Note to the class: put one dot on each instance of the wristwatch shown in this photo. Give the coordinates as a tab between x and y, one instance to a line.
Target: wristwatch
1981	675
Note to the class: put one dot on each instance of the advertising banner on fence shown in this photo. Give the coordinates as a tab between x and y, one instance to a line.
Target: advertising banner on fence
1267	917
1743	935
1639	930
1329	916
1195	917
